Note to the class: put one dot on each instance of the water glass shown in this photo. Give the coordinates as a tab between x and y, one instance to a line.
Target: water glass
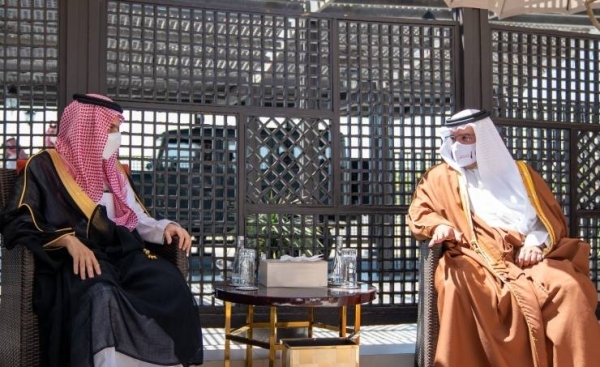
247	268
235	268
335	277
349	274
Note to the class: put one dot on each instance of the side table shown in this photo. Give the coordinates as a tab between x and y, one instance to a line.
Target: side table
272	297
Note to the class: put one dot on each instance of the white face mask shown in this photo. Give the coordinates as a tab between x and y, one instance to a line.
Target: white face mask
52	139
464	155
112	145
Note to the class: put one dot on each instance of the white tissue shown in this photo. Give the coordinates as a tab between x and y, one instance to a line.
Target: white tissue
300	258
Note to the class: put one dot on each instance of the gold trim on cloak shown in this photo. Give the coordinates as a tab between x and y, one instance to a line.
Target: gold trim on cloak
496	263
491	255
535	201
54	156
83	201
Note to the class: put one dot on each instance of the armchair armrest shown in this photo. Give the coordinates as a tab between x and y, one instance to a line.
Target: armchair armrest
18	323
173	254
427	321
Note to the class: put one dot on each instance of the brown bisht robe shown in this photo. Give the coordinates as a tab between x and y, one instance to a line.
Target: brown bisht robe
141	305
493	313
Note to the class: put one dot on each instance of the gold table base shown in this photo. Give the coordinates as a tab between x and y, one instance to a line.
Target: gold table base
273	346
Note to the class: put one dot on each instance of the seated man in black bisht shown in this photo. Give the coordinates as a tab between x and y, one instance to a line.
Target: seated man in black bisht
101	298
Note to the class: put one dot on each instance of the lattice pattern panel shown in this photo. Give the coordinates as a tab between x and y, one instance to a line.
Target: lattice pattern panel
201	56
588	170
589	231
288	161
184	167
385	68
396	85
548	152
287	234
382	163
387	258
28	76
538	75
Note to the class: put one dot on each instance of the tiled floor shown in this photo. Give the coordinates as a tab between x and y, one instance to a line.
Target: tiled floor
381	346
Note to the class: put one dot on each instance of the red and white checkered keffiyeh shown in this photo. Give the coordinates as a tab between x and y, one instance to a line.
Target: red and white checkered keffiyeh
81	140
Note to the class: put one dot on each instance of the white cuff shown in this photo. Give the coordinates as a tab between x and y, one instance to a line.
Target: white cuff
536	238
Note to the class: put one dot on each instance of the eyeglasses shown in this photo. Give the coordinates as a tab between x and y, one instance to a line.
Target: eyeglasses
462	138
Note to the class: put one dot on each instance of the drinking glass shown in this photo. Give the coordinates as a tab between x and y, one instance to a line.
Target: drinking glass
235	271
247	269
349	267
335	277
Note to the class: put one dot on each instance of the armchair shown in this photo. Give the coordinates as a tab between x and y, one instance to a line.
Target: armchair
18	323
427	320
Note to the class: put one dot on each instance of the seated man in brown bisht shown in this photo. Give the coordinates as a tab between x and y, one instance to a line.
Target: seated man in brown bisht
101	298
513	289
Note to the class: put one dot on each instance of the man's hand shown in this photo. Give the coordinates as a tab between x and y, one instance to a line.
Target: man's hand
185	241
85	263
444	233
529	255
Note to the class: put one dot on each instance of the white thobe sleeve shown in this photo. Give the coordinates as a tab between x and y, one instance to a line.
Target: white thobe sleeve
538	236
150	229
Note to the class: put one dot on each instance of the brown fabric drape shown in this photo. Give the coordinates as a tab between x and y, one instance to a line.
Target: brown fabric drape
493	313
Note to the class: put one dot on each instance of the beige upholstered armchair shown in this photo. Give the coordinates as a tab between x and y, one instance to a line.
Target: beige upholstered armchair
18	323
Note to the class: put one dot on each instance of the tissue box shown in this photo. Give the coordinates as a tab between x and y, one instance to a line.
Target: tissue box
320	352
301	274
